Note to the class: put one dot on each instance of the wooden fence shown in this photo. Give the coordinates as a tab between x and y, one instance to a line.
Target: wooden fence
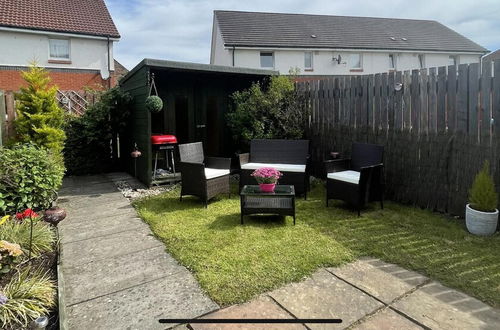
7	116
438	126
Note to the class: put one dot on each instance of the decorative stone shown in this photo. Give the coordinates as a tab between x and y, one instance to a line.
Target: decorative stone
54	215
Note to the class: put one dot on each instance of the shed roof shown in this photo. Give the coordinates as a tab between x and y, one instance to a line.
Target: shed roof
87	17
256	29
196	67
493	56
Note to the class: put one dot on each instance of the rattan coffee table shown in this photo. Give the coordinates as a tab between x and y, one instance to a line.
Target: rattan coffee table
281	201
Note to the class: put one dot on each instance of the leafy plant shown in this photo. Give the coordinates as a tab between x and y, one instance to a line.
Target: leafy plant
88	148
39	117
19	233
154	103
9	253
29	294
271	112
482	195
29	177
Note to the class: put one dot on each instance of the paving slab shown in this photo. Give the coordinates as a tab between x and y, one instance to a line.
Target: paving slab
73	232
140	307
97	213
260	308
106	276
325	296
380	279
387	319
440	307
82	252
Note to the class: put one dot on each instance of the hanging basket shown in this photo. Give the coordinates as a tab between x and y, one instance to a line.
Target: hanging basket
154	103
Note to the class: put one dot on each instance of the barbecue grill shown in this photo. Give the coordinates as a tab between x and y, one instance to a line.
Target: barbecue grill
165	143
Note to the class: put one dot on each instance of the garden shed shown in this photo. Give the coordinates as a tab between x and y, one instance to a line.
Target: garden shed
195	98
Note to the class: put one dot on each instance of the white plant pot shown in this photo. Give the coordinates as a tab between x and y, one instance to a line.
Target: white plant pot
481	223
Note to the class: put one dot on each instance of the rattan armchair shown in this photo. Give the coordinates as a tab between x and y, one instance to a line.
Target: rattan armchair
359	179
203	177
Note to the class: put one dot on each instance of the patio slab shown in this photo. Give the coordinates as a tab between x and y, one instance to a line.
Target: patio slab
260	308
141	307
325	296
380	279
387	320
439	307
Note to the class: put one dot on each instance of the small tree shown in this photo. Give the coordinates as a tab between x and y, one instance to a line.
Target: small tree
268	113
482	195
39	117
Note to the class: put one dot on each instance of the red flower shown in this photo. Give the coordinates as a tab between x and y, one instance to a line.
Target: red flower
28	213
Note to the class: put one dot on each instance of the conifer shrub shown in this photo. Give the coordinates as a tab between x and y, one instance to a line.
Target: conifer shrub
482	195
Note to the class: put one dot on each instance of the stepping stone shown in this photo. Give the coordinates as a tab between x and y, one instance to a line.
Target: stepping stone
387	320
381	280
141	306
325	296
107	276
79	231
439	307
105	247
260	308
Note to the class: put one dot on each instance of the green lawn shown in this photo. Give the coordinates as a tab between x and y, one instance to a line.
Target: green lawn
235	262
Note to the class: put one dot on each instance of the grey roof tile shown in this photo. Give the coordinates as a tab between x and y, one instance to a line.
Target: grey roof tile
255	29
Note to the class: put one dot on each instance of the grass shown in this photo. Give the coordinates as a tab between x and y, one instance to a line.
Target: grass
19	233
233	263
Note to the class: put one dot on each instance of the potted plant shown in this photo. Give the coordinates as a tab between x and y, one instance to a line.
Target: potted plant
481	214
266	177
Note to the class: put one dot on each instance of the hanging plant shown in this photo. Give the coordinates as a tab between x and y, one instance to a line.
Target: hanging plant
153	102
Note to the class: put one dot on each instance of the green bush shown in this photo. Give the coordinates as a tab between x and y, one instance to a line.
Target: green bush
29	178
28	295
39	117
482	195
87	149
154	103
19	233
268	113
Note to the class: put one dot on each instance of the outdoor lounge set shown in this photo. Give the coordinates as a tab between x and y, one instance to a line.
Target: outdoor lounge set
356	180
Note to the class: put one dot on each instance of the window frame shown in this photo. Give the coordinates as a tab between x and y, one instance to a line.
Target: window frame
66	59
392	62
360	67
421	60
272	57
309	68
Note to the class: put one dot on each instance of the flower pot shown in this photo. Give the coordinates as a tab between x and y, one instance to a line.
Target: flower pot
480	223
267	187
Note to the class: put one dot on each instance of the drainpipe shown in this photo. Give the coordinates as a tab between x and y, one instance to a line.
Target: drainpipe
233	54
109	65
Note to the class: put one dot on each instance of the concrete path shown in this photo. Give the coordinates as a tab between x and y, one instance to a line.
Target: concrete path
367	294
113	274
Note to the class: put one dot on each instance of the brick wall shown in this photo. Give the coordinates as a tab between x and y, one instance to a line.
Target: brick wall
11	80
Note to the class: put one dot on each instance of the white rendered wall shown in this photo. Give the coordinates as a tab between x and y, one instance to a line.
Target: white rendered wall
372	62
219	53
19	49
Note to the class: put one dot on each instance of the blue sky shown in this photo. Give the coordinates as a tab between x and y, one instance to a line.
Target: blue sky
181	30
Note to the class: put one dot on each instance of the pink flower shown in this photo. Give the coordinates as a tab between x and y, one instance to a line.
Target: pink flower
266	175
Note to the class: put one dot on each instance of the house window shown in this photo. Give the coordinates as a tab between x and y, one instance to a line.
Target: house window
267	60
355	61
392	61
452	60
421	61
59	49
308	60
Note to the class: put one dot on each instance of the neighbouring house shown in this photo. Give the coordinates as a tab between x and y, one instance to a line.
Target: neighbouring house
72	39
335	45
490	58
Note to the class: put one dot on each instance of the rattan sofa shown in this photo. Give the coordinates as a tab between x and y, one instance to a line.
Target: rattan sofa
359	179
202	177
287	156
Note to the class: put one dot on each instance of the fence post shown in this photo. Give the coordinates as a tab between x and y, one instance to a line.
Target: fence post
473	127
3	134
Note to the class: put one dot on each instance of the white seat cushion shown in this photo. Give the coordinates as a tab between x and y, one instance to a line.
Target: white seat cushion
279	167
211	173
346	176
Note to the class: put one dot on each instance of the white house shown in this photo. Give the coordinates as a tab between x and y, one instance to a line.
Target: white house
335	45
72	39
